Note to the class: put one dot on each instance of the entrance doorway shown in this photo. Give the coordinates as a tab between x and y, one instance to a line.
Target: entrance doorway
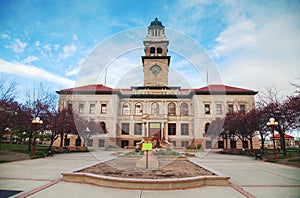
155	130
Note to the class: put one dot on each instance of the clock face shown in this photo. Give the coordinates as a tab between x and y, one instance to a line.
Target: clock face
155	69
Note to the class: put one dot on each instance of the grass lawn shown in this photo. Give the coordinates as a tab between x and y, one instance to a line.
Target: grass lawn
11	152
292	158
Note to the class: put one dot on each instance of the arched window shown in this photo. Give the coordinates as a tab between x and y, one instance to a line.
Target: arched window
159	50
155	108
152	50
206	128
126	109
184	109
103	128
171	108
138	109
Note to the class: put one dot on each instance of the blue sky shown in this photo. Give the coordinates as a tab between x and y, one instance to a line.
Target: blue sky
253	44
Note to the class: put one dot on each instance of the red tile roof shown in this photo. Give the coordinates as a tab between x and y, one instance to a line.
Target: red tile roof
222	88
92	87
277	136
218	89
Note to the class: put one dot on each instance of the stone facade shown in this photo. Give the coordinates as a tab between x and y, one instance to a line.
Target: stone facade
174	116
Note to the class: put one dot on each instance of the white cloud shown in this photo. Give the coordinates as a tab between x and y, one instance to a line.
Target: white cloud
47	47
33	72
261	53
236	36
73	72
37	43
68	50
56	47
30	59
17	46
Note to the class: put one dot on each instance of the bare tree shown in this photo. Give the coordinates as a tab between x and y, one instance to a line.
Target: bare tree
8	89
40	100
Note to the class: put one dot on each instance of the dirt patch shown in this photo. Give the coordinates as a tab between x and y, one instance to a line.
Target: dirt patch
126	168
12	156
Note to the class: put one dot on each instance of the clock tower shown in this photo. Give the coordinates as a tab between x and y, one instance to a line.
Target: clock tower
156	61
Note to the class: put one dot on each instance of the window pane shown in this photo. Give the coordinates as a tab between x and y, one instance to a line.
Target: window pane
103	108
81	108
184	109
92	108
172	108
154	108
172	129
207	109
125	128
138	109
242	108
126	109
137	128
185	129
230	108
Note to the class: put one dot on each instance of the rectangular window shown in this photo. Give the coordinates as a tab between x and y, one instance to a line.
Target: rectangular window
92	108
219	109
185	144
242	108
185	129
137	128
101	143
125	128
230	108
81	108
207	109
172	129
67	142
78	142
103	108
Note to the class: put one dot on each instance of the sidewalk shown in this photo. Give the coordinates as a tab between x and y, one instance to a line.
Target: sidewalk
249	178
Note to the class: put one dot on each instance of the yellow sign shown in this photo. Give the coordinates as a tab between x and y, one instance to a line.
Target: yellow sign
147	147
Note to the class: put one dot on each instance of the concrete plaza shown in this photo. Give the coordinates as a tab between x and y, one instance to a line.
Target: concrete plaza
249	178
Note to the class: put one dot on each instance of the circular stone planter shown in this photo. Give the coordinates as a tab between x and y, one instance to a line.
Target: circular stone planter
217	179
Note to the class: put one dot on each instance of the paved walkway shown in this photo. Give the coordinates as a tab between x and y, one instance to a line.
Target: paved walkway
249	178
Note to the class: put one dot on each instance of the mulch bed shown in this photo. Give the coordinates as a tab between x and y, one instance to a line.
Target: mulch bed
126	168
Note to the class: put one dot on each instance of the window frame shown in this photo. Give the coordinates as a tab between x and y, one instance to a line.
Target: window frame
138	128
92	108
81	108
125	128
184	109
171	128
207	109
126	111
171	109
103	108
138	110
184	128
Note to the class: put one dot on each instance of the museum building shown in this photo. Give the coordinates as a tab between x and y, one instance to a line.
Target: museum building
175	116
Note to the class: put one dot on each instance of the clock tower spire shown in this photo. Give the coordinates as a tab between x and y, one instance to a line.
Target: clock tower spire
156	61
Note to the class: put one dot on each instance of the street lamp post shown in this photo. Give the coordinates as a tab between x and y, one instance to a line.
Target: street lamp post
272	123
36	121
24	136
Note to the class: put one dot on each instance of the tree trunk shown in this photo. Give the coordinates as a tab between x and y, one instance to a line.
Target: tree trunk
251	143
262	145
282	142
61	142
